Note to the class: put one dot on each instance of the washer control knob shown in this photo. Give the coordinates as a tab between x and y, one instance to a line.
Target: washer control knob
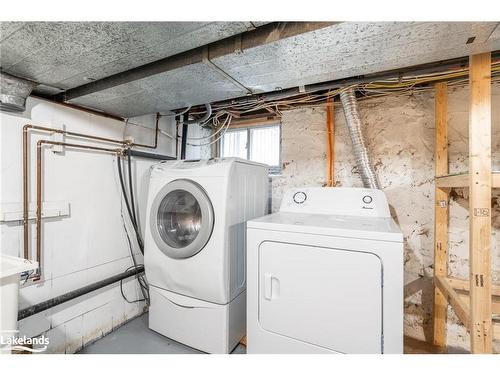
299	197
367	199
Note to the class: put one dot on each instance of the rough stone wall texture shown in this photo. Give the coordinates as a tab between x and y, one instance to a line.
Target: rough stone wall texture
399	133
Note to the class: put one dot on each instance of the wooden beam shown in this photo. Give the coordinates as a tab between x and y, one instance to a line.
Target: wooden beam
263	121
460	306
480	202
464	286
441	213
463	179
495	302
451	181
330	134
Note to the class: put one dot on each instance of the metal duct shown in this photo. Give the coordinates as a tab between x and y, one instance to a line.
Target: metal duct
350	106
13	92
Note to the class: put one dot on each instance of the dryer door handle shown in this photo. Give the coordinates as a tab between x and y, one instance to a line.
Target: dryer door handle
271	286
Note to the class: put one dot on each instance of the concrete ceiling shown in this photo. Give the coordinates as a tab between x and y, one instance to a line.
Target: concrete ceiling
62	55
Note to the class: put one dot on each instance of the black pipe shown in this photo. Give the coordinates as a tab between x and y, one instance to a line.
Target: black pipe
184	135
127	204
131	189
148	155
42	306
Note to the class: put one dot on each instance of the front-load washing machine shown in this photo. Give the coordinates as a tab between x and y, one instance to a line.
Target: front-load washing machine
325	275
194	256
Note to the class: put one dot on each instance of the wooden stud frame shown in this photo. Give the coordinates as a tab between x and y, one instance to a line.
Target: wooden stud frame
471	300
441	213
480	202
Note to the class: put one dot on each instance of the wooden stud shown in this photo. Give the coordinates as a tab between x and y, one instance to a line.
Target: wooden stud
463	179
441	214
330	133
460	306
464	286
480	202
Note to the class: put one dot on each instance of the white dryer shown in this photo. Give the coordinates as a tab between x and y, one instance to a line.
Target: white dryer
195	248
325	275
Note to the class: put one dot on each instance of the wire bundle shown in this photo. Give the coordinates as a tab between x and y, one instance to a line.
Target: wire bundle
141	279
399	85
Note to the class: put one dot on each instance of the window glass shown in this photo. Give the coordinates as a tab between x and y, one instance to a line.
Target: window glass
257	143
265	145
235	144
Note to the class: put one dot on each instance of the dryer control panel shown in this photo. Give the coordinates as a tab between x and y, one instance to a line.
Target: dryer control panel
336	201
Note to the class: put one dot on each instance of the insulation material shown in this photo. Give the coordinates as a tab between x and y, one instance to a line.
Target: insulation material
399	134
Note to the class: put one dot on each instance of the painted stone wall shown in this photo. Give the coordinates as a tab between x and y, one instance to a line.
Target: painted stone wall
399	132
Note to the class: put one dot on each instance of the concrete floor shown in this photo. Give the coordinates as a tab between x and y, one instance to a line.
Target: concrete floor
134	337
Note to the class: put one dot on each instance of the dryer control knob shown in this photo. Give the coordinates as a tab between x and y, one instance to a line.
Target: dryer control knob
299	197
367	199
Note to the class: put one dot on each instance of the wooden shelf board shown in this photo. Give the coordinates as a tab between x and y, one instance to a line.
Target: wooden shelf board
462	180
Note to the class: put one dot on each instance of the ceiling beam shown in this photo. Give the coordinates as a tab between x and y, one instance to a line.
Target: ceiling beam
269	33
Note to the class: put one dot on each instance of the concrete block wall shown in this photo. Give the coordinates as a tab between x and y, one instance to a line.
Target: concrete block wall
399	133
89	244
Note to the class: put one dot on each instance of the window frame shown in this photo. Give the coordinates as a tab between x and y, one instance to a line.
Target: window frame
273	170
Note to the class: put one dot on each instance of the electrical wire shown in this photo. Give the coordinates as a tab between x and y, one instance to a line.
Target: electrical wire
224	126
127	204
143	284
140	278
131	188
399	85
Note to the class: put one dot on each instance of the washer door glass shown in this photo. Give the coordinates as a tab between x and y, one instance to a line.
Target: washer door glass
181	219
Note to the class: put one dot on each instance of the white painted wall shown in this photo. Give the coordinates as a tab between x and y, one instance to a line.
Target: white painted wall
89	244
399	132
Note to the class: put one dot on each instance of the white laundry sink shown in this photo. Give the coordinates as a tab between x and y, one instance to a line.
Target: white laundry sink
10	270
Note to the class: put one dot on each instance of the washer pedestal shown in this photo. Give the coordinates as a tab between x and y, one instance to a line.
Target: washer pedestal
203	325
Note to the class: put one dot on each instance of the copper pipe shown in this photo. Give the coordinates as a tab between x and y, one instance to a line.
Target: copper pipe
39	146
25	192
330	133
80	108
157	130
26	128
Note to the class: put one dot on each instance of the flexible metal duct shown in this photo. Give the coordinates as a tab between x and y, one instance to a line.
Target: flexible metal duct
350	105
13	92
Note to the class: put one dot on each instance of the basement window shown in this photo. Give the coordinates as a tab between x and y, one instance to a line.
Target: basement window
260	143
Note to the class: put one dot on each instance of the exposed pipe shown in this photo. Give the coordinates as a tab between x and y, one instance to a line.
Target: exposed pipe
45	305
205	118
184	136
330	133
353	120
39	146
26	128
157	130
148	155
13	92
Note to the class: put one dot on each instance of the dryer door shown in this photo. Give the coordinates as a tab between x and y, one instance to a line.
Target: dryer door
182	219
326	297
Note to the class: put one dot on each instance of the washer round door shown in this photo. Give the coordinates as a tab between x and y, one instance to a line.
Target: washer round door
182	219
